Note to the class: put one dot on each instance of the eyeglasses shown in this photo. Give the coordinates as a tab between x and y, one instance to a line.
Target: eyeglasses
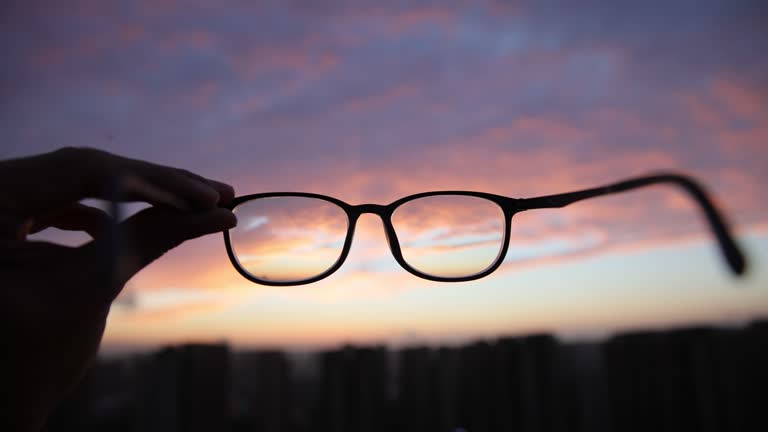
295	238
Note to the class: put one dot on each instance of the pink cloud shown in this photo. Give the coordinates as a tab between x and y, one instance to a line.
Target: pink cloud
131	33
724	101
175	312
263	59
703	113
382	100
197	39
201	96
416	18
59	54
740	192
740	100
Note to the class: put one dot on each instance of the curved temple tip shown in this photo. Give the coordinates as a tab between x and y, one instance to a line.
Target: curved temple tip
737	261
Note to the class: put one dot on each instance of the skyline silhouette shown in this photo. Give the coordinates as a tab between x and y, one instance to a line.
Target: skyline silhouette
695	379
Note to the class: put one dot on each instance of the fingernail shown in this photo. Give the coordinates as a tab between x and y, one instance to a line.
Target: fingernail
227	197
223	218
226	191
232	220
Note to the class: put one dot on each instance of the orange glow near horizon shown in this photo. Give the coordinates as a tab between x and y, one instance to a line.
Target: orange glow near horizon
318	315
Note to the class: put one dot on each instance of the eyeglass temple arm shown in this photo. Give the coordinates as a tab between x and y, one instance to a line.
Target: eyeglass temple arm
733	255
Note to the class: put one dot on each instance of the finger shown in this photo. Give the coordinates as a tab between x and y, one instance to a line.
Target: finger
18	254
225	191
193	193
76	217
54	180
148	235
132	188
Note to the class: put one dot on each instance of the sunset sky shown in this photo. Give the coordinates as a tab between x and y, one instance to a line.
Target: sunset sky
368	101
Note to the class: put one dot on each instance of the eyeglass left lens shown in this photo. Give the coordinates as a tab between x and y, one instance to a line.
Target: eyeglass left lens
288	239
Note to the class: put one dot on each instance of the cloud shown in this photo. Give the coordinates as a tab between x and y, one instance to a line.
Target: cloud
741	101
171	304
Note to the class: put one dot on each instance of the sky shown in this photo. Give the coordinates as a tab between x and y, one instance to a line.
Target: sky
370	101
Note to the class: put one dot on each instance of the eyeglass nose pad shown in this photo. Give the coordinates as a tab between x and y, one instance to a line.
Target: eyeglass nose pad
391	236
351	230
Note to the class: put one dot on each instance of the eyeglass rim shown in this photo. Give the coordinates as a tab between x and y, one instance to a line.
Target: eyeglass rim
385	212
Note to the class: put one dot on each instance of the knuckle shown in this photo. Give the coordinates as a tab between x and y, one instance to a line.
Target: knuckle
184	174
79	152
66	155
83	157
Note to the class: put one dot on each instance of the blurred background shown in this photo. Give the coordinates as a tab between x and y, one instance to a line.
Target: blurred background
369	101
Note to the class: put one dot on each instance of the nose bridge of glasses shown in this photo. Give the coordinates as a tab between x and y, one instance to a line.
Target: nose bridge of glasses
383	213
376	209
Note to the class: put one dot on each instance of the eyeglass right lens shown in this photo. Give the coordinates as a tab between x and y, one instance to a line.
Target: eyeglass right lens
450	236
288	239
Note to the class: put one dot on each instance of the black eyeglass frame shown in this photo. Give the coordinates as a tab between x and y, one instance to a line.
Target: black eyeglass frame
509	206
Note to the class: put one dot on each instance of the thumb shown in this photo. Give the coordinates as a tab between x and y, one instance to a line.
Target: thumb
148	235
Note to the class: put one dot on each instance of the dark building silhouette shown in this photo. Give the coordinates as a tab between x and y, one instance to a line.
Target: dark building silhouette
699	379
105	400
579	389
263	391
418	403
353	391
185	389
696	379
507	385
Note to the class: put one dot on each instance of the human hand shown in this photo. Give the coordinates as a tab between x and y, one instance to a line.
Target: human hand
54	300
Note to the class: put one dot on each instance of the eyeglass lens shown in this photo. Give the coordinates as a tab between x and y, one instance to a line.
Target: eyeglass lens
288	239
449	236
